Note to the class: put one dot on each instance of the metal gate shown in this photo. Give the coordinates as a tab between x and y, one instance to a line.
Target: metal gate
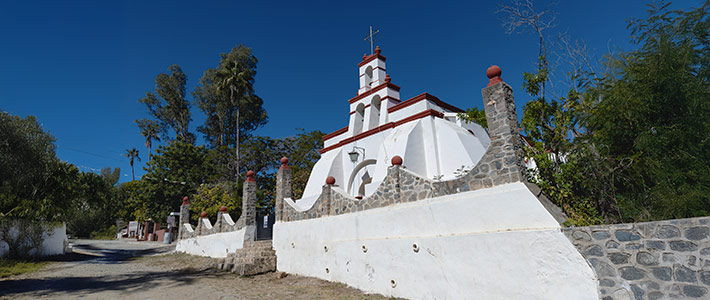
264	224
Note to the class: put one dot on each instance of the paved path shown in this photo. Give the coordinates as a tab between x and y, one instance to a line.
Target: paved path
147	270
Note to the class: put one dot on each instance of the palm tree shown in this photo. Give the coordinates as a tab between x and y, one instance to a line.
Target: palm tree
131	154
150	130
236	75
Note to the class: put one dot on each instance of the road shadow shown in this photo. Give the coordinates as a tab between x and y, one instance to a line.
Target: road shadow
86	285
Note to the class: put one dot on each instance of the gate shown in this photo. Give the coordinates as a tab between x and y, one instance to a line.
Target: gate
264	224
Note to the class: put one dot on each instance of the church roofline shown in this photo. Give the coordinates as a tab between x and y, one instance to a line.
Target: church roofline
420	97
375	89
424	114
335	133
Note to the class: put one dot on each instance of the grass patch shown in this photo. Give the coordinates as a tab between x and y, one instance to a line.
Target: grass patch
9	267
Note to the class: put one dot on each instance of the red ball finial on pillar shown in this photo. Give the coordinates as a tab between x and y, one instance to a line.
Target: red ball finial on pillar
330	180
493	74
284	163
377	50
250	176
184	201
223	208
203	214
397	160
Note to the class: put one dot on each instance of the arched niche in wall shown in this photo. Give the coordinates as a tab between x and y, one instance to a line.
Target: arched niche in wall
360	177
359	118
368	76
375	104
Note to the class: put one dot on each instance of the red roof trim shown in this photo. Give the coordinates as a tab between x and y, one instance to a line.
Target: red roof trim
375	89
382	127
370	58
390	97
421	97
335	133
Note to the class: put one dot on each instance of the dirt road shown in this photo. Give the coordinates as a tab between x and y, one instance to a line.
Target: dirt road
141	270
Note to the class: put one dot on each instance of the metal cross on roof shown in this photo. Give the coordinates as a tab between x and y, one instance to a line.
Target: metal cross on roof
371	39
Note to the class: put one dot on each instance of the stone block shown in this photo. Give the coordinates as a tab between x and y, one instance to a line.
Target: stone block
683	246
684	274
626	236
662	273
694	291
697	233
593	250
632	273
619	258
646	259
667	232
600	235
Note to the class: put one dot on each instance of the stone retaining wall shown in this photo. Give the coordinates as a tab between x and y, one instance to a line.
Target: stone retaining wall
654	260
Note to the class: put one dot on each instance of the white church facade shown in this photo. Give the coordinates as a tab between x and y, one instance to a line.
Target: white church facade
423	130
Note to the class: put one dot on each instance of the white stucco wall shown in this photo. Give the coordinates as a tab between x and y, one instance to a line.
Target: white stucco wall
55	241
213	245
496	243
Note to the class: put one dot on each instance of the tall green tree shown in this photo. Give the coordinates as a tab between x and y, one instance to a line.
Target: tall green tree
151	131
132	154
653	109
168	104
226	95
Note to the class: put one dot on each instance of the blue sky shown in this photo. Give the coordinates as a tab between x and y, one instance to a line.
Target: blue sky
80	67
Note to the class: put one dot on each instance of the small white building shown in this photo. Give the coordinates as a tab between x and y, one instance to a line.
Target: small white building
423	130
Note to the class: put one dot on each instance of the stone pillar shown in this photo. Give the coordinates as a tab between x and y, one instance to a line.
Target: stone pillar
506	142
249	207
283	188
184	216
219	224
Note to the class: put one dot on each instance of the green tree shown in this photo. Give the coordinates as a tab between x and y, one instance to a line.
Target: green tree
132	154
226	95
111	177
169	106
151	131
475	115
175	171
652	113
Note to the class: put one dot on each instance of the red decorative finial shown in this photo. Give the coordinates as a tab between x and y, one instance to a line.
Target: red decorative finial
397	160
284	163
377	50
330	180
364	56
184	201
250	176
203	214
223	208
387	78
493	74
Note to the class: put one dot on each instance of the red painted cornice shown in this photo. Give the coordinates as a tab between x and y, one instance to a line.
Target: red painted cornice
335	133
375	89
424	114
421	97
370	58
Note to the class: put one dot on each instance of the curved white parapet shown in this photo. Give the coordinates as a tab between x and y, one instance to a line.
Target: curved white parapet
206	223
495	243
188	227
228	219
217	245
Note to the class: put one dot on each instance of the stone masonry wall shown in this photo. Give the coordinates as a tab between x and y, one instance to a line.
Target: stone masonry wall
654	260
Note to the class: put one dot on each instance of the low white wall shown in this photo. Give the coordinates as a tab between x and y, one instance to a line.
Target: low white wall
55	241
496	243
213	245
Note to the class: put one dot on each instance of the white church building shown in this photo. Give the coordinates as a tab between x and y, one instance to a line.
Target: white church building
423	130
